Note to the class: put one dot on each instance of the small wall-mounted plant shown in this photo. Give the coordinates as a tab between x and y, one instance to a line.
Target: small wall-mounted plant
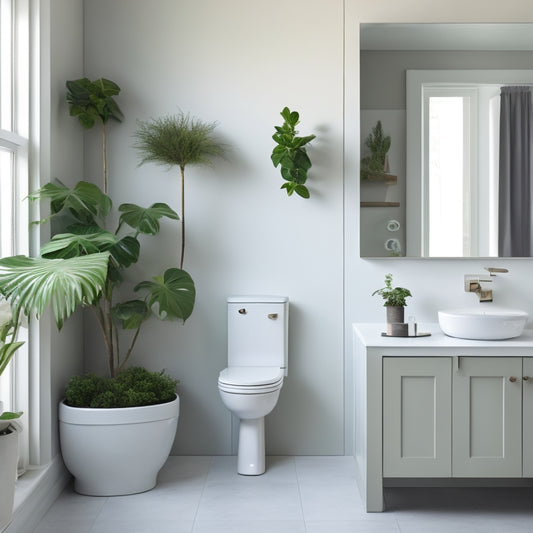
290	154
377	162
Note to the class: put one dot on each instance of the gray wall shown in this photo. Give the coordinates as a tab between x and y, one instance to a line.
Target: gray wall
383	72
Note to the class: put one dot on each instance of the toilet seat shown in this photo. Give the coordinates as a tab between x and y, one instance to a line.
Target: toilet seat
250	380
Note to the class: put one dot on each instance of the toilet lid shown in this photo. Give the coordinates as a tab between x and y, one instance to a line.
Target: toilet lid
251	376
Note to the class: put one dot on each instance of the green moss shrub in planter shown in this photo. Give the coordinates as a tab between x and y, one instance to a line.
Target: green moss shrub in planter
133	387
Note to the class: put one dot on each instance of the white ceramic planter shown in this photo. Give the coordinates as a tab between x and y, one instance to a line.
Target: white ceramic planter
8	474
113	452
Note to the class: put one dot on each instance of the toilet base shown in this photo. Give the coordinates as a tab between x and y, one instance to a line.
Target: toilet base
251	454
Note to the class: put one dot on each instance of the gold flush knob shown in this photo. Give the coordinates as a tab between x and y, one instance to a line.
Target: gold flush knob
242	311
512	379
273	316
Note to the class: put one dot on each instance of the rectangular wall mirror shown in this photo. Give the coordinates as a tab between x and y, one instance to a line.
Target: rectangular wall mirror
446	140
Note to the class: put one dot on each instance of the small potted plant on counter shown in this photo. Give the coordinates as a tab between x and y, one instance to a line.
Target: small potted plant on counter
394	300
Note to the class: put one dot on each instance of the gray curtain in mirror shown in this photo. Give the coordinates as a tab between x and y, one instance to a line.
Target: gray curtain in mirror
515	188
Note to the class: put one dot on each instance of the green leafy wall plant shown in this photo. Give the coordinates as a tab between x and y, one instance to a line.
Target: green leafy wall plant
290	154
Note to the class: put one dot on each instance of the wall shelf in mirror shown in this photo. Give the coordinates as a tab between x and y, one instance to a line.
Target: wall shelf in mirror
382	177
380	204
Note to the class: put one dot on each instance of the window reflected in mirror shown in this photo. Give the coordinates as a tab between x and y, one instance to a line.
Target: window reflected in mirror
445	140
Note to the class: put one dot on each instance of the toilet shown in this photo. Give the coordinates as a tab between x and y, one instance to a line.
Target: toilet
257	363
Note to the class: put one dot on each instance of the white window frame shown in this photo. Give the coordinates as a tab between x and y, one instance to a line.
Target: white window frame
16	140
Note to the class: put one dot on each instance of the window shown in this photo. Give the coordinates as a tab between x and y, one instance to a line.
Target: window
452	119
14	135
450	175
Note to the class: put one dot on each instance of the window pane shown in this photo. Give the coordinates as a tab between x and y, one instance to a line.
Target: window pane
6	202
6	65
446	176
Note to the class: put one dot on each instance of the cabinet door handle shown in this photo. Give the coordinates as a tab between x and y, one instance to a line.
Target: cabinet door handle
525	378
512	379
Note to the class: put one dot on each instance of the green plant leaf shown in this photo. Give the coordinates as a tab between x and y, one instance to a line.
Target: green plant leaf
172	295
7	351
126	251
301	141
145	220
131	313
302	191
85	201
92	100
32	284
65	245
8	415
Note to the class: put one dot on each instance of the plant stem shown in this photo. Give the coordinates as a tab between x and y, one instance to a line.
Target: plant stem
182	169
128	353
100	318
104	156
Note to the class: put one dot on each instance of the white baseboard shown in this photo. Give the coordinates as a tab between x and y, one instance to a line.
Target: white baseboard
35	492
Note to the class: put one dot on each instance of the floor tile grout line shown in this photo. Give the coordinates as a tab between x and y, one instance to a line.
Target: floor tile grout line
211	461
93	522
299	494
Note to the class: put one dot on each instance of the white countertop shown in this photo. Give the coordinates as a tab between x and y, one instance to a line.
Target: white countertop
370	336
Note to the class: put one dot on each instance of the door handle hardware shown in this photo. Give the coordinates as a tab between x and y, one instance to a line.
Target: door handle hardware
525	378
242	311
512	379
272	316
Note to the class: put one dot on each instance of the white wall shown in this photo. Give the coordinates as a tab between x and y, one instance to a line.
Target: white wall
58	41
239	63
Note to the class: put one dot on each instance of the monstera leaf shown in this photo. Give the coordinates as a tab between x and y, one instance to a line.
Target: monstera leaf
32	284
145	219
132	313
171	295
65	245
84	202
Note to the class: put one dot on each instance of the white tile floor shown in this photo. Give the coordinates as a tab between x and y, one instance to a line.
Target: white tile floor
295	495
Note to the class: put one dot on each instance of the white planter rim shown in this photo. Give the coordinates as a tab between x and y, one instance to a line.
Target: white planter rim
118	415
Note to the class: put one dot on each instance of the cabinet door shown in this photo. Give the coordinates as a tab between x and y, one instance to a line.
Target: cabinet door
487	417
417	416
527	427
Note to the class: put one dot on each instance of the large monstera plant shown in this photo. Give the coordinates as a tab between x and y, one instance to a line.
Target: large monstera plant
84	263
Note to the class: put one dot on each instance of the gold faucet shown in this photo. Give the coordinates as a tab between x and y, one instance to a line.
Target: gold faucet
473	283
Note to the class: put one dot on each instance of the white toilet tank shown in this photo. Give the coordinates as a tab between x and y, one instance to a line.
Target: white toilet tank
258	331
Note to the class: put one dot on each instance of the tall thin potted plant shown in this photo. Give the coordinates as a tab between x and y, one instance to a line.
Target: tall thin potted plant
178	141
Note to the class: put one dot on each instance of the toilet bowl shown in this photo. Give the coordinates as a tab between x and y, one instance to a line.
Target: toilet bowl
257	364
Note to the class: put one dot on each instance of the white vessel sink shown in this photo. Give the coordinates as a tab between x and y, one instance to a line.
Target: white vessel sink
489	323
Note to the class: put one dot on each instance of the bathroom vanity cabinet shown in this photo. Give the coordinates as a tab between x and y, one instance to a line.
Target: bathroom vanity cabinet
439	407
